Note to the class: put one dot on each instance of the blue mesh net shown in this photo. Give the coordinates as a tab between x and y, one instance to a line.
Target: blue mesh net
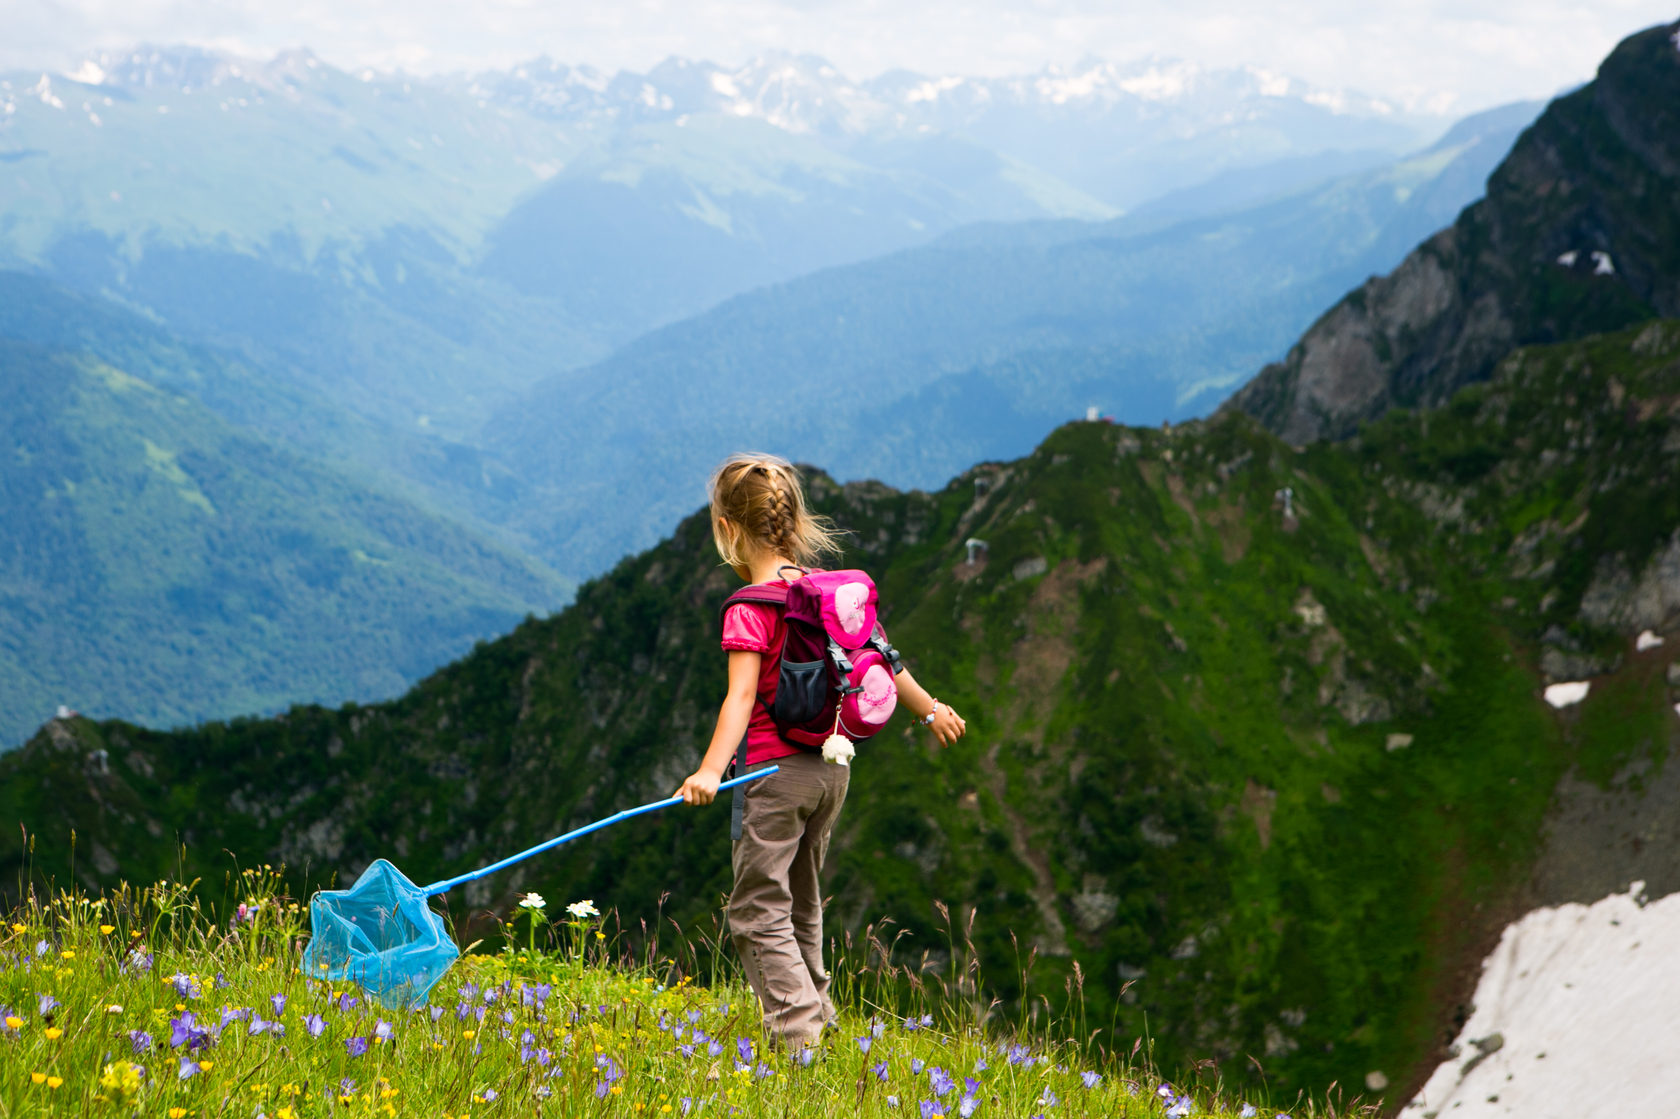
381	934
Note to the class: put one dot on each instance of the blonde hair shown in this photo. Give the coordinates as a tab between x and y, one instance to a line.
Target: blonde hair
764	498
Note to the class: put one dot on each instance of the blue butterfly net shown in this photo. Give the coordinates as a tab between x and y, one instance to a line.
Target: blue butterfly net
381	934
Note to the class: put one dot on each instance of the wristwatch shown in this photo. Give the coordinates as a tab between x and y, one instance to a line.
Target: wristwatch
928	721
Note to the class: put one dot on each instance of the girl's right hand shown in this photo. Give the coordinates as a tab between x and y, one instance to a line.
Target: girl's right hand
700	788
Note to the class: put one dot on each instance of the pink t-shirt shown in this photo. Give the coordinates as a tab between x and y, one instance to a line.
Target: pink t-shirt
756	628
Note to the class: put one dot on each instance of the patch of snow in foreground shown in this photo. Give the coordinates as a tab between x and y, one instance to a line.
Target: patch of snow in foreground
1563	695
1582	1000
1646	640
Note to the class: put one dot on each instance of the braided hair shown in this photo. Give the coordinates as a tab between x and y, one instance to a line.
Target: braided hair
763	498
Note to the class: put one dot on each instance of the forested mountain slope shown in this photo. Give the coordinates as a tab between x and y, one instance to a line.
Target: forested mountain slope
1258	728
1579	232
159	561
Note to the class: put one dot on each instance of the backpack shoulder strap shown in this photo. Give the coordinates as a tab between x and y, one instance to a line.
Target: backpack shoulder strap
763	594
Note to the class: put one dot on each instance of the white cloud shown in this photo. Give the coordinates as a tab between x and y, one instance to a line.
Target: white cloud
1464	54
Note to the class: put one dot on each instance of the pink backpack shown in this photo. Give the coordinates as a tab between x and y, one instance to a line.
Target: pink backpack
837	669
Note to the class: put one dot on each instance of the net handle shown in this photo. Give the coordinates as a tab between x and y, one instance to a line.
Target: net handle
448	884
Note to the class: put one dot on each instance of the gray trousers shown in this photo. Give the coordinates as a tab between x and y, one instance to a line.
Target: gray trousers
775	910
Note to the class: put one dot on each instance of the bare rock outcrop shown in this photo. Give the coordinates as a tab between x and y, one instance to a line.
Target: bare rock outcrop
1579	233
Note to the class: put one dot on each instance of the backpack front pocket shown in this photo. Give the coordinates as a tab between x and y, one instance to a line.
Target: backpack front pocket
801	692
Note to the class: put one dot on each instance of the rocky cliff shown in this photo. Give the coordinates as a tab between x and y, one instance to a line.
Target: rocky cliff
1579	233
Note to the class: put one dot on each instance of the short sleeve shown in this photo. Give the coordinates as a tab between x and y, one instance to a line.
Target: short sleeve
746	626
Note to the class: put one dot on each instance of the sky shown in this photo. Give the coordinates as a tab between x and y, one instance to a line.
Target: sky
1431	55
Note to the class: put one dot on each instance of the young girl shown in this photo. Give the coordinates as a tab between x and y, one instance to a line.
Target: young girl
763	530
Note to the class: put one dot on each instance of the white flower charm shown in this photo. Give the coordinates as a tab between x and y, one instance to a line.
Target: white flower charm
838	750
582	909
532	900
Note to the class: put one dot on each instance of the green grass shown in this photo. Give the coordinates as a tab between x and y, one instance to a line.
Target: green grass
99	997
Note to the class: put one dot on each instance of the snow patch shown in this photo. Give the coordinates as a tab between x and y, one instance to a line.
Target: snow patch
932	88
1567	695
88	73
1646	640
1569	258
1270	83
1333	99
725	85
1602	265
43	90
1162	83
1573	1016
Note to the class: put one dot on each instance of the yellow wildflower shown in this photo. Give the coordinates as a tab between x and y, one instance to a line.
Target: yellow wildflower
107	930
54	1081
68	953
38	1077
17	928
177	1112
121	1078
53	1033
13	1022
285	1113
204	1066
467	1034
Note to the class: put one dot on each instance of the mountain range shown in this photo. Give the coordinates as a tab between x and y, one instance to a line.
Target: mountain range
440	291
911	366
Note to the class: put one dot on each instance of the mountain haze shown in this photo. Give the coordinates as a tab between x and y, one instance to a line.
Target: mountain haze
355	278
1119	132
909	366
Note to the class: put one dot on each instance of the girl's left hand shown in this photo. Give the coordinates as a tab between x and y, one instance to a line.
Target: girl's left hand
700	788
947	725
